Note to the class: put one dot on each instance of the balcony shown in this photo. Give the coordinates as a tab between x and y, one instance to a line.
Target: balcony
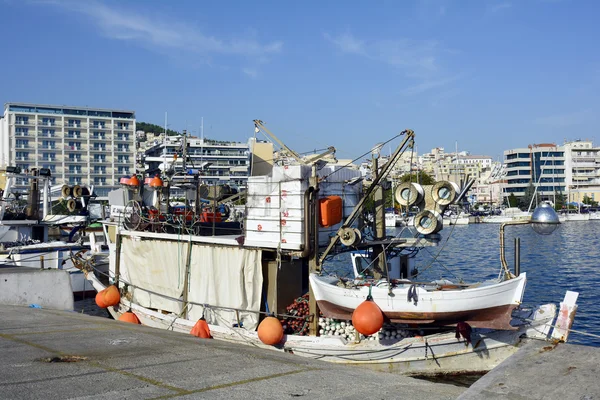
21	134
99	160
122	161
75	125
76	160
100	172
121	150
119	127
100	127
74	172
122	138
23	158
95	149
29	122
54	124
23	146
98	138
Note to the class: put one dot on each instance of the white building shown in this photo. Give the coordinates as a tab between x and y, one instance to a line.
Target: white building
582	170
216	162
79	145
542	165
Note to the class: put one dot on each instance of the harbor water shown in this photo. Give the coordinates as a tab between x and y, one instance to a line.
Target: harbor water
568	259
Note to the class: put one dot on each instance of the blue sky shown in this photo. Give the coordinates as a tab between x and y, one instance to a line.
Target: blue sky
490	75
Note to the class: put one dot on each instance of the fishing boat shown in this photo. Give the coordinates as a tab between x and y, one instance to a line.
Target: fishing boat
176	271
25	228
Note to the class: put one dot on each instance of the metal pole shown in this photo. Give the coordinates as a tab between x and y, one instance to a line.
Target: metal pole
517	256
119	238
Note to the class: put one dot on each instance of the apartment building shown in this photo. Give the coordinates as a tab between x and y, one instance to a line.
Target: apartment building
79	145
540	164
582	170
217	162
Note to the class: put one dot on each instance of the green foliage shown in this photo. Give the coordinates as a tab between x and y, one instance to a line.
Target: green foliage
588	200
153	128
526	199
559	203
422	178
512	200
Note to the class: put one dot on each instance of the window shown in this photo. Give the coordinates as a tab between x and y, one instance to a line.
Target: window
22	143
74	122
99	181
123	158
74	157
21	120
22	155
75	180
99	157
51	167
74	145
22	131
123	136
48	121
123	147
123	125
98	135
123	170
48	132
48	144
100	146
74	134
75	169
99	169
48	156
99	124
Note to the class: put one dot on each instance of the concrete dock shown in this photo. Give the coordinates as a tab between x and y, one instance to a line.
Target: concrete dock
48	354
544	371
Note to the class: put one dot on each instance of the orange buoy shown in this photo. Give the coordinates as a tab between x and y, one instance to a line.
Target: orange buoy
100	299
367	318
134	181
156	183
201	329
129	317
112	297
270	331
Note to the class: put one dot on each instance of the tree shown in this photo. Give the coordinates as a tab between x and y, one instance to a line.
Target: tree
559	203
589	201
512	200
526	199
422	178
153	128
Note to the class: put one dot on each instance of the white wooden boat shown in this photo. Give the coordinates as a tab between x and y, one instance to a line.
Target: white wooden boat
485	305
432	354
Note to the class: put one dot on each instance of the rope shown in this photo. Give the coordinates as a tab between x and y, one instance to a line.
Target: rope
205	305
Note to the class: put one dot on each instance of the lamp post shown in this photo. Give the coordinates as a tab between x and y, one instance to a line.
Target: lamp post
544	221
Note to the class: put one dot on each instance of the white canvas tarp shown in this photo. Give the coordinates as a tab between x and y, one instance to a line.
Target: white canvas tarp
229	277
158	266
226	277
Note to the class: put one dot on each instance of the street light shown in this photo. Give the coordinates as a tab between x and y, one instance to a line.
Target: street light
544	221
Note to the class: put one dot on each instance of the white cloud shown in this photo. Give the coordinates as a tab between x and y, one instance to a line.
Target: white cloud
251	72
494	8
429	85
415	57
165	36
566	119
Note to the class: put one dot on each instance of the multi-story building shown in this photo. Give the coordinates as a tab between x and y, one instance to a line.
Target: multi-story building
79	145
217	162
542	165
582	170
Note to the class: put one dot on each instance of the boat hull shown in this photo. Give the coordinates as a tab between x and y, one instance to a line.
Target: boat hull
483	306
434	354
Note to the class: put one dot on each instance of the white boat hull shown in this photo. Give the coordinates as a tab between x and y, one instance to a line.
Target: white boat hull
440	353
486	305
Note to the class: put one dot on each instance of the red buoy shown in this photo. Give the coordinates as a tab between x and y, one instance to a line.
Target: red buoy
112	297
129	317
201	329
100	299
367	318
270	331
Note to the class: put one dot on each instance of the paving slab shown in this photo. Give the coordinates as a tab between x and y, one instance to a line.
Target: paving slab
111	359
540	370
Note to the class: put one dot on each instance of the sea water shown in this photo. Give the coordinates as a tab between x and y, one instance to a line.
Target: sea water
568	259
